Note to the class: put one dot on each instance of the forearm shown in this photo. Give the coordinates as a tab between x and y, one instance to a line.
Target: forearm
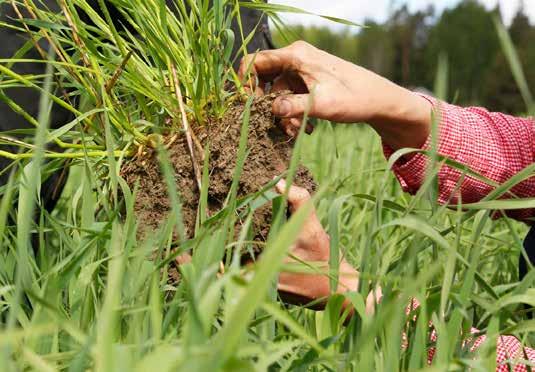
493	145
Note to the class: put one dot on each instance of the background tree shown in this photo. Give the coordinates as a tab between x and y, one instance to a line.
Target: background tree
410	33
377	49
467	35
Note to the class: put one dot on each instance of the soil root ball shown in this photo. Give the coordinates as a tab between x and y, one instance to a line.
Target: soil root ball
269	155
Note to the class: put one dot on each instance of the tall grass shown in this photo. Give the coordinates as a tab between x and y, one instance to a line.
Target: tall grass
91	296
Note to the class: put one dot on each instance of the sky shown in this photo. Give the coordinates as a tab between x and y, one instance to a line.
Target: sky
358	10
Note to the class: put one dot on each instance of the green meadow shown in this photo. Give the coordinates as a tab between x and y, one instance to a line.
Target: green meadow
80	291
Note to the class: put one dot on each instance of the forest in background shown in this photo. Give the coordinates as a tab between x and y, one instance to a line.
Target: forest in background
407	47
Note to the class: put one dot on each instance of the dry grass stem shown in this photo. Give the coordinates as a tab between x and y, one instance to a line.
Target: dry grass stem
186	127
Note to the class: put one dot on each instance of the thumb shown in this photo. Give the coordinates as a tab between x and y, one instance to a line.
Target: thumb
293	106
297	196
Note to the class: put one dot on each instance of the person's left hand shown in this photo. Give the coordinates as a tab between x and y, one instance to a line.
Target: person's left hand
312	246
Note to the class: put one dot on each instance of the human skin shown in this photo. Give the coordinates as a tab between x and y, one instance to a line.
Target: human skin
330	88
313	246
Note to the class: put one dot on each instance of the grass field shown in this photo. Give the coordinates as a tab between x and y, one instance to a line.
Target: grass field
93	297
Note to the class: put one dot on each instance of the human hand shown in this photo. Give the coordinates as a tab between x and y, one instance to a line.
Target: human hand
330	88
313	247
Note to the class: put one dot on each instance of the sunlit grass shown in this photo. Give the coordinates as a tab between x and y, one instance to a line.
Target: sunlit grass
92	296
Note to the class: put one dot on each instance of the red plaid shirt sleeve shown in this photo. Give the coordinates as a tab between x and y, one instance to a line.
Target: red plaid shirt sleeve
511	355
494	145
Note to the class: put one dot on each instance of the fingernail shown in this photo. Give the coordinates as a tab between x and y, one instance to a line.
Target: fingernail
282	108
291	133
281	185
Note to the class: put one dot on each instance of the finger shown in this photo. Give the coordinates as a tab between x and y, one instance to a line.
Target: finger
281	84
294	106
260	89
257	89
267	64
295	122
297	196
253	85
291	126
183	259
374	297
312	234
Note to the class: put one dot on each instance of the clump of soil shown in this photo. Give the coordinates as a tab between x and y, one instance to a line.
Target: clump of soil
269	156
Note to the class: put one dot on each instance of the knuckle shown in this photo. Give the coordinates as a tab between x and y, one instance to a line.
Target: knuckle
300	53
300	45
246	63
303	194
242	69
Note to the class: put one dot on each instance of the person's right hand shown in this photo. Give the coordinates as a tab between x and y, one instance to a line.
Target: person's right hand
330	88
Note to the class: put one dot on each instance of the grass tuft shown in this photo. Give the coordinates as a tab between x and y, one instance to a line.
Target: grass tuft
79	291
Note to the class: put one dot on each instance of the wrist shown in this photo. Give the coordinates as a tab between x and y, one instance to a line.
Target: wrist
404	120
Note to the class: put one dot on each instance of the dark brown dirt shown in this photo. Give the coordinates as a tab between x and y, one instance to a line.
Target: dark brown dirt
269	156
